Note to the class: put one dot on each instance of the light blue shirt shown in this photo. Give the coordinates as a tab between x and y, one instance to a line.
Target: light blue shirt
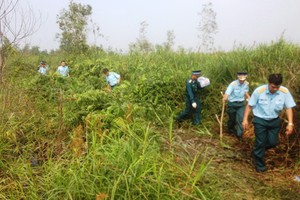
112	78
63	70
267	105
43	70
237	91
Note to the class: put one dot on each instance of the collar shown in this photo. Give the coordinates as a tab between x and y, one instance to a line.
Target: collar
268	91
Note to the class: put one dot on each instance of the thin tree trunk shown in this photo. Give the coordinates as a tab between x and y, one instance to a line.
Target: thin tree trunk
3	97
1	67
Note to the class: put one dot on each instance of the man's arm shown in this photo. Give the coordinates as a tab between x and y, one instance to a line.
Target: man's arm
225	97
108	88
247	96
245	123
290	126
190	91
228	91
68	72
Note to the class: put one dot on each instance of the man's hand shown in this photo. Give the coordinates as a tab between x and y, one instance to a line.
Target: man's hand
108	88
194	105
289	129
225	97
245	124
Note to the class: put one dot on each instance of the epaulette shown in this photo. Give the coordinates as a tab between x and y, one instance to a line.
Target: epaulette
261	89
284	90
234	83
247	82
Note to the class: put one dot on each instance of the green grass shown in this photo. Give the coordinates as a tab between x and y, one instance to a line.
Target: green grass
126	144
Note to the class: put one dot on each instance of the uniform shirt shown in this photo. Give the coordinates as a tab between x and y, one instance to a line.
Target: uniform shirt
112	78
192	86
237	91
63	70
42	70
267	105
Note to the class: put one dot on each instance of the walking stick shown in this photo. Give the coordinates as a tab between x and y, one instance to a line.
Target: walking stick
222	116
220	121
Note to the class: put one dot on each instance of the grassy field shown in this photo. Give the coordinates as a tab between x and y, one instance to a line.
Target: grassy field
67	138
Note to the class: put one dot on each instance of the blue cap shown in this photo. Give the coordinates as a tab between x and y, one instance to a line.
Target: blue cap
196	72
242	73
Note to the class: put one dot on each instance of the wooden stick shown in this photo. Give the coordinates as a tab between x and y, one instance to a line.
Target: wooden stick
222	116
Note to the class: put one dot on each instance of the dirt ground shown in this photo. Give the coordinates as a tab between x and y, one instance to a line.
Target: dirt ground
232	171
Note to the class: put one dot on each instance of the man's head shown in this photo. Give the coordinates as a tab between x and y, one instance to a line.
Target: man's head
275	81
196	74
43	63
63	63
105	71
242	76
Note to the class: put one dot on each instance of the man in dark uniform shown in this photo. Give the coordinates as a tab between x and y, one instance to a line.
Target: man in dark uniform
267	102
192	100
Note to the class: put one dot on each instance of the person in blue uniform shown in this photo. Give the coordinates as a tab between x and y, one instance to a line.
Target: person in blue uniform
43	68
266	103
63	69
192	101
236	93
112	79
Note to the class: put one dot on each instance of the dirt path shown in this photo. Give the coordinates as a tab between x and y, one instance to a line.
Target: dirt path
232	172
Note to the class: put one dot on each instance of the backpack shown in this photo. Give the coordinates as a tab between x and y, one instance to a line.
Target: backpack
204	81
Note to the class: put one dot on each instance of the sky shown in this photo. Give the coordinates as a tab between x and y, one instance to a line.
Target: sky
240	22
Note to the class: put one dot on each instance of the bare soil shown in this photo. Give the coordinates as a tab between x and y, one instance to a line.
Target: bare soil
232	171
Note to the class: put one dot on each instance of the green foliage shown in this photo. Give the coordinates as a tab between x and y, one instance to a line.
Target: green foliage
127	165
121	144
73	23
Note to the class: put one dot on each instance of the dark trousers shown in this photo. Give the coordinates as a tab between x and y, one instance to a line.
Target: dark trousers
190	110
235	111
266	136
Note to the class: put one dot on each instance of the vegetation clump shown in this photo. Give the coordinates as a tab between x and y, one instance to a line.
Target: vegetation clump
67	138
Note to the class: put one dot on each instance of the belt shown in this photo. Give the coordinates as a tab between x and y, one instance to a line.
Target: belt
267	119
237	101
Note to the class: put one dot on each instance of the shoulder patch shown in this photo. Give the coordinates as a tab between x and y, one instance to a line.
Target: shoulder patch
283	90
261	89
234	83
190	81
247	82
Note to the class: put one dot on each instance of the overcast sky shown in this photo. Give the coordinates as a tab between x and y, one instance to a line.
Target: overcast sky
240	22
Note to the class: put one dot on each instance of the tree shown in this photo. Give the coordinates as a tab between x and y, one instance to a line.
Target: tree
207	27
15	25
142	44
168	45
73	24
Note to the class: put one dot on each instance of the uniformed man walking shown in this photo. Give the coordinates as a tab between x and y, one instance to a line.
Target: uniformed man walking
43	68
63	69
192	100
112	79
267	101
236	93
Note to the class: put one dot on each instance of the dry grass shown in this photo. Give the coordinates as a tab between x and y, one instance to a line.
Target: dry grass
232	171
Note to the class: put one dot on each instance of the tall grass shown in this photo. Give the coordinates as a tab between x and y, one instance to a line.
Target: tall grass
123	144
